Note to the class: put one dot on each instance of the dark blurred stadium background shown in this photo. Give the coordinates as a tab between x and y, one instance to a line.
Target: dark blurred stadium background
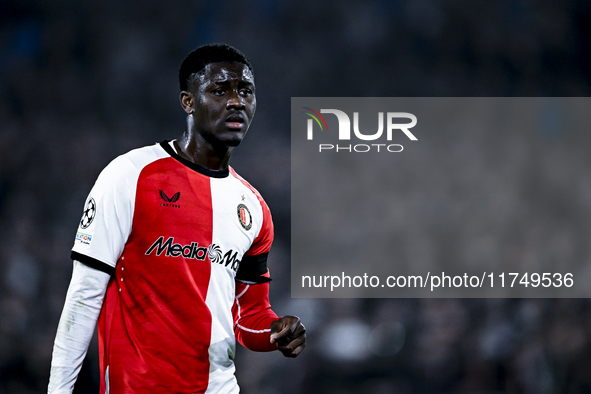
82	82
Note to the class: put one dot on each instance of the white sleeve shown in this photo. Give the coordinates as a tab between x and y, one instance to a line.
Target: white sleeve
76	327
107	219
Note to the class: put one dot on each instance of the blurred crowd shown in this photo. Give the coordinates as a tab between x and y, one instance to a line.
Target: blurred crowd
82	82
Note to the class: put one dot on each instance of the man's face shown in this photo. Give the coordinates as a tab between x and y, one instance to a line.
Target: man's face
224	102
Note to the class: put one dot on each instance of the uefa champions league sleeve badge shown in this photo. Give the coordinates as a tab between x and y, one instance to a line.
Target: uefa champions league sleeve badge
89	213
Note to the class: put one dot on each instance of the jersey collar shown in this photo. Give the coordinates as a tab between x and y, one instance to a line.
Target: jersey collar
202	170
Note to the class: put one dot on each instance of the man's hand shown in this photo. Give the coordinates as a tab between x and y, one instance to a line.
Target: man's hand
289	334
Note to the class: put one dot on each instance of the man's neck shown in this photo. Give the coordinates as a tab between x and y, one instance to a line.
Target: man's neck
202	153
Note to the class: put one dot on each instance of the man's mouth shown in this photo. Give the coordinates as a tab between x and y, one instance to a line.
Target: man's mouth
235	121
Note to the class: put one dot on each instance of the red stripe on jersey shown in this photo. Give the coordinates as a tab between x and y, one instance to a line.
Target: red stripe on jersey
155	312
263	241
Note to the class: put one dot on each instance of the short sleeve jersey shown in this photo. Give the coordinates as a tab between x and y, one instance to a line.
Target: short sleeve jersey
175	237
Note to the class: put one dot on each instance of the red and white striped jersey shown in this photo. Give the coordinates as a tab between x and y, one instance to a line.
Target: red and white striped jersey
175	237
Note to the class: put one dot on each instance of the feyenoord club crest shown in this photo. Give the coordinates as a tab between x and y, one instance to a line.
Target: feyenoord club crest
88	215
244	216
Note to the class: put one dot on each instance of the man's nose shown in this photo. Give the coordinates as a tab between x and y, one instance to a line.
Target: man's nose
235	100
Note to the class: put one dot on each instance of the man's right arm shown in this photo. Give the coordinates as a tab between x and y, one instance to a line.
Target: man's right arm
83	304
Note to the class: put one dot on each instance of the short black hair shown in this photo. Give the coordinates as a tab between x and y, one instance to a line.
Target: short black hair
206	54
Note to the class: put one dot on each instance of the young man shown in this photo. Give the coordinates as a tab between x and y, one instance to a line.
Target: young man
171	254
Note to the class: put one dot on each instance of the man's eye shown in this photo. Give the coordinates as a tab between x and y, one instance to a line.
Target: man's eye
245	92
219	92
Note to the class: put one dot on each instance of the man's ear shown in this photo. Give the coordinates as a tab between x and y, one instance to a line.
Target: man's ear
187	102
